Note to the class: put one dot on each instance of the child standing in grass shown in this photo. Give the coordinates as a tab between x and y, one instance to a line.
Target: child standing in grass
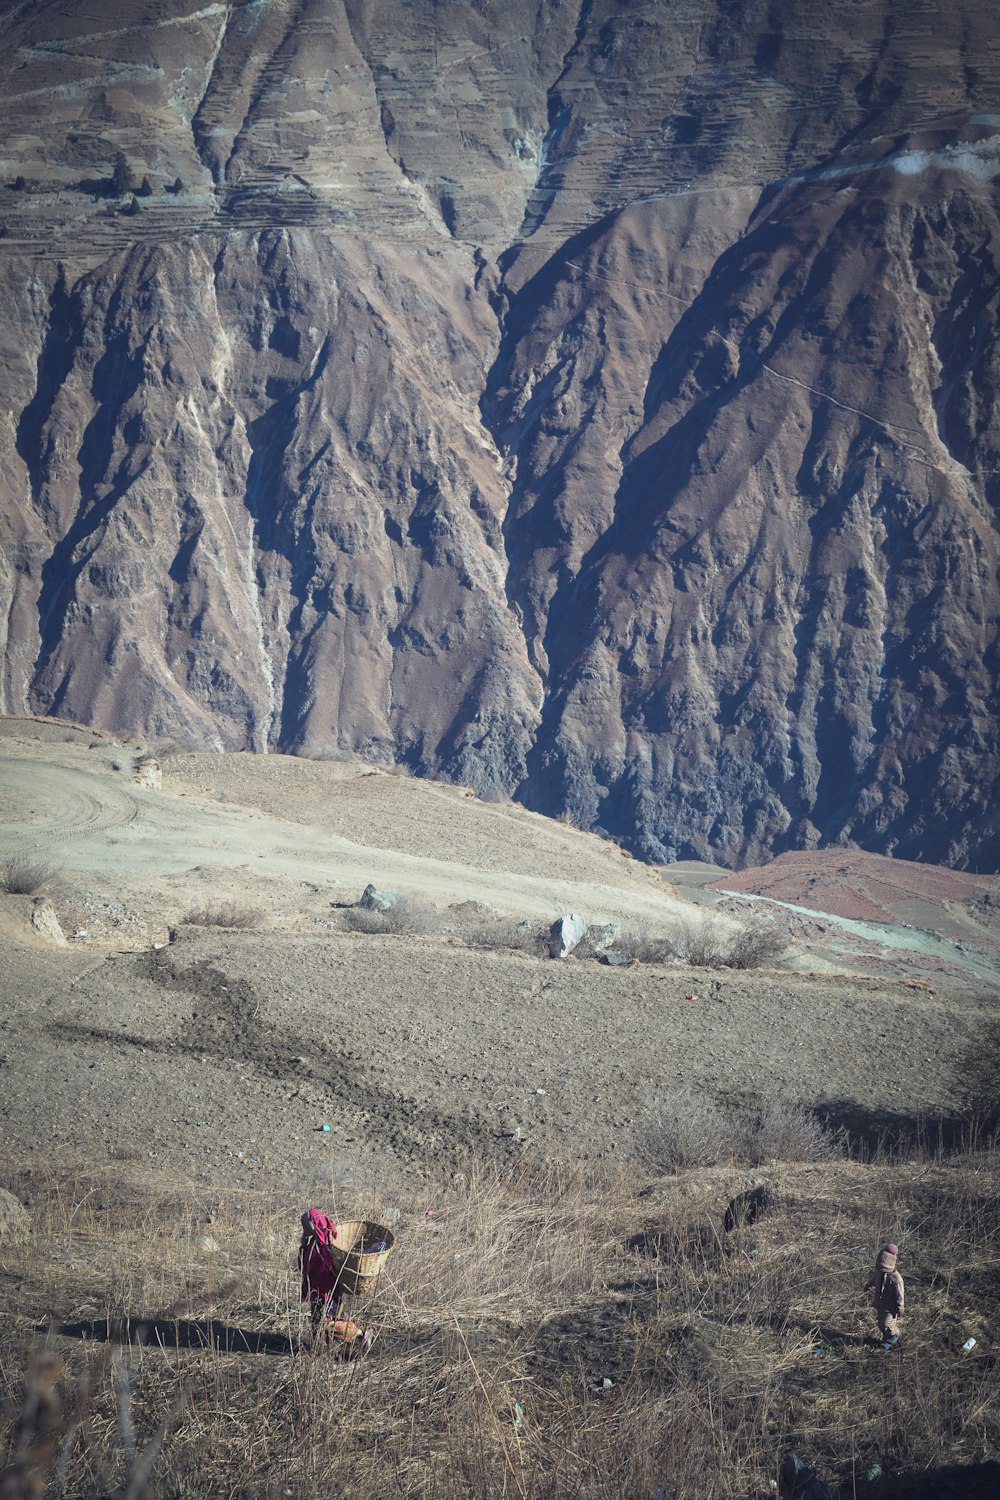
888	1294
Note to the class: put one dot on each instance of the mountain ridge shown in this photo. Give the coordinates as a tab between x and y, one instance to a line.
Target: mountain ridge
590	403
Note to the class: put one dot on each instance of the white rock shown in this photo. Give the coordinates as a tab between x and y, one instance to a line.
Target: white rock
565	933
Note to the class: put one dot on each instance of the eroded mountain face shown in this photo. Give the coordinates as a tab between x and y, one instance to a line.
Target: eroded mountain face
590	402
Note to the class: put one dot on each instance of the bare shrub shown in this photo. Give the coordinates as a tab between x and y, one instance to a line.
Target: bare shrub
777	1129
706	944
687	1130
407	914
225	914
506	933
145	758
636	941
702	943
756	946
694	1130
20	876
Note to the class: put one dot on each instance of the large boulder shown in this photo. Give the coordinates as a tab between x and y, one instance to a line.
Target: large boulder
565	933
373	900
14	1220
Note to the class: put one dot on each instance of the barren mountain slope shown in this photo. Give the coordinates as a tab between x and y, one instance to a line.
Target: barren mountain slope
589	401
161	1023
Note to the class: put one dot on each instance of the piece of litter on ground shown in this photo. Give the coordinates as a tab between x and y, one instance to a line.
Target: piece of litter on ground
969	1344
324	1129
539	1091
692	997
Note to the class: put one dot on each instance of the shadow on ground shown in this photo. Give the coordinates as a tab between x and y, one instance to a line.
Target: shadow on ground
181	1333
873	1130
956	1482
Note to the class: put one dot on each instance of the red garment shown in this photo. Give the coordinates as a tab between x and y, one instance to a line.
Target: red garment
319	1273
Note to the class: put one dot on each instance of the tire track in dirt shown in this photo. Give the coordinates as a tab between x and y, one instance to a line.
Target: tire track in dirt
76	804
226	1024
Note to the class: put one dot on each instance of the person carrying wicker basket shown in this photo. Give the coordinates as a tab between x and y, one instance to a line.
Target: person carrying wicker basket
328	1302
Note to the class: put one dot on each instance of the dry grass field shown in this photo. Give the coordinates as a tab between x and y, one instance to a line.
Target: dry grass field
543	1331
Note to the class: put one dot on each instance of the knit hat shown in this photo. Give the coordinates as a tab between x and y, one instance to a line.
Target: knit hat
892	1249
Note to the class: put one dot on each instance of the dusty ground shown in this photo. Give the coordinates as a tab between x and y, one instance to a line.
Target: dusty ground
224	1053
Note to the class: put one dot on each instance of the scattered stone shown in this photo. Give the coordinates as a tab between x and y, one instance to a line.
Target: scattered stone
615	960
15	1222
208	1245
565	933
374	900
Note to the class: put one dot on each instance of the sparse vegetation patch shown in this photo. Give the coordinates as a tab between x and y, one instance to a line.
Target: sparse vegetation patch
22	876
405	914
225	914
689	1129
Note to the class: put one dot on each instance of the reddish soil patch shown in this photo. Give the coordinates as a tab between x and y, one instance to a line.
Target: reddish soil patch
851	883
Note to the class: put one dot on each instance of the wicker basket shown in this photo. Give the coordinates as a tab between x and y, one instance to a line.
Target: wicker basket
356	1265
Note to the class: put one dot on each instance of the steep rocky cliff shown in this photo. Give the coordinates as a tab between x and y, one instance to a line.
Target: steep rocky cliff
590	401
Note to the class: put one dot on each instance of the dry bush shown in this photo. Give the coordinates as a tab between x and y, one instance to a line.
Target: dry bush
707	944
701	942
775	1129
21	876
506	934
407	914
225	914
686	1130
637	941
756	947
692	1130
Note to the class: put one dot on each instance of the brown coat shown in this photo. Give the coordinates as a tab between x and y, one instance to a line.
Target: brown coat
886	1285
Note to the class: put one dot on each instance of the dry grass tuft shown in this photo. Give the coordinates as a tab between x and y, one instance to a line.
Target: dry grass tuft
506	934
226	914
407	914
20	876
